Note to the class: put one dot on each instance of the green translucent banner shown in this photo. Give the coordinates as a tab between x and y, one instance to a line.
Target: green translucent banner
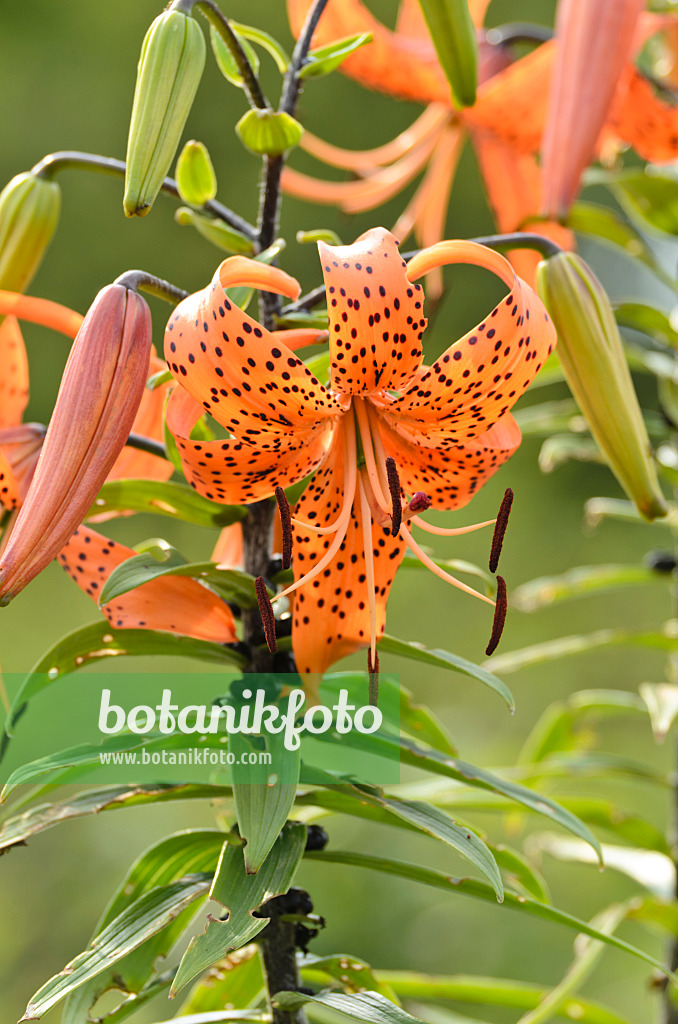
140	727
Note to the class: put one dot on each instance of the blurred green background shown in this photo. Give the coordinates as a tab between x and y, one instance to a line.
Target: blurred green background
66	82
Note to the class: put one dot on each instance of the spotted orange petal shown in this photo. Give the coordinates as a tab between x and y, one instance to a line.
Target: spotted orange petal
171	604
479	378
13	373
19	452
234	471
228	553
250	382
331	615
395	63
451	477
512	104
645	121
376	314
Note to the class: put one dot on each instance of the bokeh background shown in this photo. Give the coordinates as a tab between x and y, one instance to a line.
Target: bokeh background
66	82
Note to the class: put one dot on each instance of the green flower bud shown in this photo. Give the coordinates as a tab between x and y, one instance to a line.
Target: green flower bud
29	211
266	132
195	175
170	67
593	361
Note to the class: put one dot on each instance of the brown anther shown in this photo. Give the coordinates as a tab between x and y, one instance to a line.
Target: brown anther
396	500
286	524
500	528
266	612
419	502
373	680
499	617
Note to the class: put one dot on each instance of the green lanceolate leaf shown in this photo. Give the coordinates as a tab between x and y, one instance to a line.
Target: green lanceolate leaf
237	980
547	418
164	498
566	646
648	197
520	874
352	974
444	659
579	582
142	920
560	449
481	891
231	584
607	226
240	894
17	829
263	793
647	320
326	59
487	991
454	36
92	643
225	59
164	863
371	1007
215	231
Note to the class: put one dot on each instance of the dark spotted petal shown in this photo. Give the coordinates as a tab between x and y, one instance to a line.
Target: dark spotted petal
172	604
376	314
331	613
234	471
452	476
249	381
478	379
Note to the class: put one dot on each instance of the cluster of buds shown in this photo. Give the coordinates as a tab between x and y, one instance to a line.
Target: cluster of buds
593	361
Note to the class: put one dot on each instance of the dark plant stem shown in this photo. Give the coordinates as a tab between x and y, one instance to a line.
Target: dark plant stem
220	22
139	280
278	950
68	159
146	444
670	1014
518	32
257	526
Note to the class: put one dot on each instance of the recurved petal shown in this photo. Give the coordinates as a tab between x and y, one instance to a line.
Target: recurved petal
13	373
594	43
171	604
452	476
645	120
234	471
395	63
228	552
331	613
249	381
512	104
376	314
479	378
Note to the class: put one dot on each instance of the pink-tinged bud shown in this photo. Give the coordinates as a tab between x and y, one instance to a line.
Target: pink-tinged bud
594	44
98	398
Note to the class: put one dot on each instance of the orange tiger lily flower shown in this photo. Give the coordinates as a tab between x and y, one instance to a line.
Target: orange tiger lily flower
504	125
389	438
171	604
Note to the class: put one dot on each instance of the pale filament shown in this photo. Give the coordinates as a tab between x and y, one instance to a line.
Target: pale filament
369	568
430	564
350	481
336	525
368	439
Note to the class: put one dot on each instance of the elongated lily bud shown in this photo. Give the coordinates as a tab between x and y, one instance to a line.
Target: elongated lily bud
29	211
98	398
170	67
594	43
593	361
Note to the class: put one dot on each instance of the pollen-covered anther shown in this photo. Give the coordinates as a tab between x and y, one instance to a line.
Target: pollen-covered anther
286	526
499	616
500	528
396	500
373	677
266	612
